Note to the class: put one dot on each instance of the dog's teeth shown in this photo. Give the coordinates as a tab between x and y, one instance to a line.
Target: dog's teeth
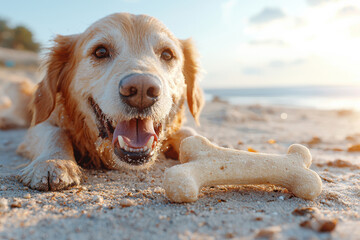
124	146
150	142
121	142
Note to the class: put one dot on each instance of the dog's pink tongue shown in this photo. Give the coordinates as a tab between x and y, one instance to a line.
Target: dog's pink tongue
135	132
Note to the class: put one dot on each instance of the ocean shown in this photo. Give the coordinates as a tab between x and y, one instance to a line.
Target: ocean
320	97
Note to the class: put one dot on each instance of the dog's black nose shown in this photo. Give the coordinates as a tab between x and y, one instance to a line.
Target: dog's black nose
140	90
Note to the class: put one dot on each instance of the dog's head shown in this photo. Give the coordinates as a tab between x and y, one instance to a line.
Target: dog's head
126	74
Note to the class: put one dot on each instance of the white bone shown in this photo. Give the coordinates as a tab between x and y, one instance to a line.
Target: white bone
205	164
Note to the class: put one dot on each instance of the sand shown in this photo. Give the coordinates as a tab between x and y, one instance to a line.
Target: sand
132	205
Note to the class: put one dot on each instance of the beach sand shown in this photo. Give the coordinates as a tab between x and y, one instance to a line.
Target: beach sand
132	205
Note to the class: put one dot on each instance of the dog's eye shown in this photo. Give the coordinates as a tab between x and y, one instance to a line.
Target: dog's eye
101	52
167	55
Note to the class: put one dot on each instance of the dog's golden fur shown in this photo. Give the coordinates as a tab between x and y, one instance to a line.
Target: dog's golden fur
60	104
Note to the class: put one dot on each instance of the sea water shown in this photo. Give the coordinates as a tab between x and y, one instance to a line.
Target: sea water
320	97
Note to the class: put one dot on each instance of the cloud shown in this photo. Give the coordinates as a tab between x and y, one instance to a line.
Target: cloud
282	63
271	42
319	2
348	11
267	15
252	71
313	45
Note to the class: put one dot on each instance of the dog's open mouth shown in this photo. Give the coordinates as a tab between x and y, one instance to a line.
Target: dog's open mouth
134	140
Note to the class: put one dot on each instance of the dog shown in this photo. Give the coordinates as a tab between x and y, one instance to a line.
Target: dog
112	97
16	93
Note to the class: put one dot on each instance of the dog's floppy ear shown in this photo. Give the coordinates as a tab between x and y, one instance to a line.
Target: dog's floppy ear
191	71
56	67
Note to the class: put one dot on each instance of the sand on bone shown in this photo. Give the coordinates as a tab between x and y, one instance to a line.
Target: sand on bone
207	164
97	209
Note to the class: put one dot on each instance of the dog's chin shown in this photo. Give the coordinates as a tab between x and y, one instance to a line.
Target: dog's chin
133	158
133	161
134	141
124	160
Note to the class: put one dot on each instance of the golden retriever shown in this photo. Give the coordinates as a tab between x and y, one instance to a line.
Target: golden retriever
16	93
112	97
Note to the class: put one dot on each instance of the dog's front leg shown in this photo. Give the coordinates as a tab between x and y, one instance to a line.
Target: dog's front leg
173	142
53	166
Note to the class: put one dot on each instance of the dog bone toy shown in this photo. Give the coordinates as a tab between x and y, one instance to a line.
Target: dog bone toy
205	164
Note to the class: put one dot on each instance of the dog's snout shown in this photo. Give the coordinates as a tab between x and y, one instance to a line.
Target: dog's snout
140	90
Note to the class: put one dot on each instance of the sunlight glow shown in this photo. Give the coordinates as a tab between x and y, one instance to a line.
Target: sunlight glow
329	33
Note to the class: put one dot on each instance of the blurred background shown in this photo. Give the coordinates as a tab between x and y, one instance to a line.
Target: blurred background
299	53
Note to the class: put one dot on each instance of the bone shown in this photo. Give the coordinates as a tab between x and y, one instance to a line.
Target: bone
205	164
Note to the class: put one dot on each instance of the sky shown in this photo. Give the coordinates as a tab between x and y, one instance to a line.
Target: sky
255	43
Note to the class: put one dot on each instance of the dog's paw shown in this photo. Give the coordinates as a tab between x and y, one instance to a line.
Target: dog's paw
51	175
